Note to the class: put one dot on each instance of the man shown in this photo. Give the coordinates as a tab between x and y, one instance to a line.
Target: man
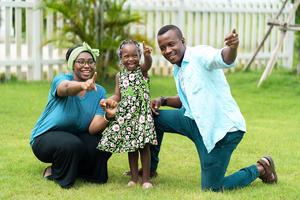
206	111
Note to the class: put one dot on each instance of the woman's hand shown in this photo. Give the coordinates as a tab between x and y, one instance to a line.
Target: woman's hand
110	107
90	84
99	123
72	88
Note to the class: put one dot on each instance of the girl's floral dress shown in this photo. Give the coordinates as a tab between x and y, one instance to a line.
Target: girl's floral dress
133	126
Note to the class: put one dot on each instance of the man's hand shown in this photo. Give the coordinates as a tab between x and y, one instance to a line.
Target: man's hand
90	83
173	102
155	104
109	106
229	53
232	40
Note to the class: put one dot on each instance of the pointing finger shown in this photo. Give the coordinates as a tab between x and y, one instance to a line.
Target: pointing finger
94	77
94	80
234	32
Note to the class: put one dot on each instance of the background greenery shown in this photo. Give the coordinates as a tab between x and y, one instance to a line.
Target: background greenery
103	24
272	114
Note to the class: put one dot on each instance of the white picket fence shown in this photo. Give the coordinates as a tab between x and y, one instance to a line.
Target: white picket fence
202	22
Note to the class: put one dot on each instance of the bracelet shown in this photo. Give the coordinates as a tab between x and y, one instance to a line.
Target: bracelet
163	101
105	118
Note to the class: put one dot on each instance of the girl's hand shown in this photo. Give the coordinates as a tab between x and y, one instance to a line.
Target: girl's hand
147	49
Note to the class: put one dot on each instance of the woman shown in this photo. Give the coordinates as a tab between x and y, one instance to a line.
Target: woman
67	132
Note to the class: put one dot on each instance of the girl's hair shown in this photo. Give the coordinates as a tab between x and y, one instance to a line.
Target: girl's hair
125	42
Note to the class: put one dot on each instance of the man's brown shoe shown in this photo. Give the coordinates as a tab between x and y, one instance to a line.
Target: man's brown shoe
270	175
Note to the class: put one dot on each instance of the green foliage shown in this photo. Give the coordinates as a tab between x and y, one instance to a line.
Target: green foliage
2	77
297	33
272	113
101	23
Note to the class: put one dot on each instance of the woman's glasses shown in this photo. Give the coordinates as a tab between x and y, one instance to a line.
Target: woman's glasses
82	62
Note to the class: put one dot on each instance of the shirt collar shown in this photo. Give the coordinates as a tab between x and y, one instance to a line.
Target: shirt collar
186	57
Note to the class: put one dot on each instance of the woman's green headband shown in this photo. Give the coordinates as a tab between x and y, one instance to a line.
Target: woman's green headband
85	47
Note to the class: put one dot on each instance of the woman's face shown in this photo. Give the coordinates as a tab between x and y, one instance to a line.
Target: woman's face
84	67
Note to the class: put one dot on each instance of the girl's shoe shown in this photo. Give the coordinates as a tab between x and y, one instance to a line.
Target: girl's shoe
152	174
131	184
147	185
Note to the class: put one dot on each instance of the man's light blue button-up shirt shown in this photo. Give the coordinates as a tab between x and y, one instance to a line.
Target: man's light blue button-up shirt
206	96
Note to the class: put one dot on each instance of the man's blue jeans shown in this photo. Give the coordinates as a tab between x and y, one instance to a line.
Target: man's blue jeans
213	164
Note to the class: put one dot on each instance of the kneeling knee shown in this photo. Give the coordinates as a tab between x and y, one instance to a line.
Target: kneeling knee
214	187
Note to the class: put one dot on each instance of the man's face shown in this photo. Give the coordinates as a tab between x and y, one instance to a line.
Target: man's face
172	46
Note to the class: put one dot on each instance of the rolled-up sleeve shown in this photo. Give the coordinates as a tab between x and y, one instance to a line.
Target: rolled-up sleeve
217	61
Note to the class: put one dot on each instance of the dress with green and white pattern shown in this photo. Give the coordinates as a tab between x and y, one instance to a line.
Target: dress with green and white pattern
133	126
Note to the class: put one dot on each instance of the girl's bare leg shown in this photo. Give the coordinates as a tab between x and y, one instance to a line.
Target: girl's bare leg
145	160
133	158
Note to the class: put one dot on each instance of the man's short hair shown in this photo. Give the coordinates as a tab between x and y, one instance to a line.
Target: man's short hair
166	28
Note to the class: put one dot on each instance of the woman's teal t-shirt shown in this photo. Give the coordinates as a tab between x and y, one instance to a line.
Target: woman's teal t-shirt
72	113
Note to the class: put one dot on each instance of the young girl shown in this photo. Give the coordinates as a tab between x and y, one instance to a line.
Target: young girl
132	129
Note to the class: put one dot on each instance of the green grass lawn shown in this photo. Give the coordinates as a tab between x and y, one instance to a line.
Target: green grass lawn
272	113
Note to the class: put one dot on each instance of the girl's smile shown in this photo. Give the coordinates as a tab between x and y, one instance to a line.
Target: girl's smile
130	57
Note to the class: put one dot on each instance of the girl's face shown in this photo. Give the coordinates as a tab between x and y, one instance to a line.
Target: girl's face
130	57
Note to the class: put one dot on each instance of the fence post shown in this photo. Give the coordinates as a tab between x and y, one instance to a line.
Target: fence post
7	39
289	47
36	41
181	12
18	37
2	23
